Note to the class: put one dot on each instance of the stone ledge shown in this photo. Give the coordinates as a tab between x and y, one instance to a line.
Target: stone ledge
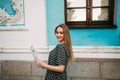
98	52
76	49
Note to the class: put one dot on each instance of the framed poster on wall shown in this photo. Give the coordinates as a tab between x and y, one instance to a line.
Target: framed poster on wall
12	15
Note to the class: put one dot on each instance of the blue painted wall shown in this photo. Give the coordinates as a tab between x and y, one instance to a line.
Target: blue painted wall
80	37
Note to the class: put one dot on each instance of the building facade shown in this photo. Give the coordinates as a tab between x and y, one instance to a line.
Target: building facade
96	51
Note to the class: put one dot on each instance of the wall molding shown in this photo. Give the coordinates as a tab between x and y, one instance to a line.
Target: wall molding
76	49
80	52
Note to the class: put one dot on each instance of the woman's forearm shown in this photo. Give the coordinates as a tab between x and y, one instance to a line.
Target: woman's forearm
59	68
44	65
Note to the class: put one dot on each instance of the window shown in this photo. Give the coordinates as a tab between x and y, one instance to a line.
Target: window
89	13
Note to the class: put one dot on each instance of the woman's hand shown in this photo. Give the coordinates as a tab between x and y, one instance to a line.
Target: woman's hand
59	68
39	63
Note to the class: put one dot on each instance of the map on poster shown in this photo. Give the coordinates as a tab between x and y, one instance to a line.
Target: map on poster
11	13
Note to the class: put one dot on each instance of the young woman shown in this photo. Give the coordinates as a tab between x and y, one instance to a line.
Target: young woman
59	56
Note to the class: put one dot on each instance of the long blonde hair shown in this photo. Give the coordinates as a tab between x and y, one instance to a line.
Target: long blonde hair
67	39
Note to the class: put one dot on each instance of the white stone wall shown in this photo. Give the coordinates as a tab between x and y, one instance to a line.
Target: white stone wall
35	28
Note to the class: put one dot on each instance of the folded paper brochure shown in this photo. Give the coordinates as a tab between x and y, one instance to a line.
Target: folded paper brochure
34	53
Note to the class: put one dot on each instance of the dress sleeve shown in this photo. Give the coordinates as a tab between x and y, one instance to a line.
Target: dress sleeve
62	55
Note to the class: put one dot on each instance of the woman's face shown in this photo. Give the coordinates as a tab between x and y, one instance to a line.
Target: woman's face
60	34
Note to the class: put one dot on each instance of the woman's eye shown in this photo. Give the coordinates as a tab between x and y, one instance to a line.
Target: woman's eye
61	32
56	32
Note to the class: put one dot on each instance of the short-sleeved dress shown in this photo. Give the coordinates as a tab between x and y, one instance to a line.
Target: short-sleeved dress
58	56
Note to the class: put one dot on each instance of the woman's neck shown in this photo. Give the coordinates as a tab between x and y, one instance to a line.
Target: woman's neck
62	42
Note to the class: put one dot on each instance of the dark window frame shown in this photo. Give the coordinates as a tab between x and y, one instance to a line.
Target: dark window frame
89	23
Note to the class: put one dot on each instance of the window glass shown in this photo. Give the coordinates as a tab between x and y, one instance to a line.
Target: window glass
76	3
100	14
76	15
100	2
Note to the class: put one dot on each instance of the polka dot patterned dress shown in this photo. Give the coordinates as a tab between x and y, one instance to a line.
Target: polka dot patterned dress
58	56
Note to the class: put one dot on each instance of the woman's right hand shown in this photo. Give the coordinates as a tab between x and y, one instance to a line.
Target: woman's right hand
39	63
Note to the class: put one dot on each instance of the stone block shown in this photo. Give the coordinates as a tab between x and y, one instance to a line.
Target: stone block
4	77
83	69
25	78
87	79
43	78
111	70
69	79
16	68
0	67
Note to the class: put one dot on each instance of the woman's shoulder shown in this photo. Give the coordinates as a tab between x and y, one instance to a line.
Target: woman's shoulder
62	46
